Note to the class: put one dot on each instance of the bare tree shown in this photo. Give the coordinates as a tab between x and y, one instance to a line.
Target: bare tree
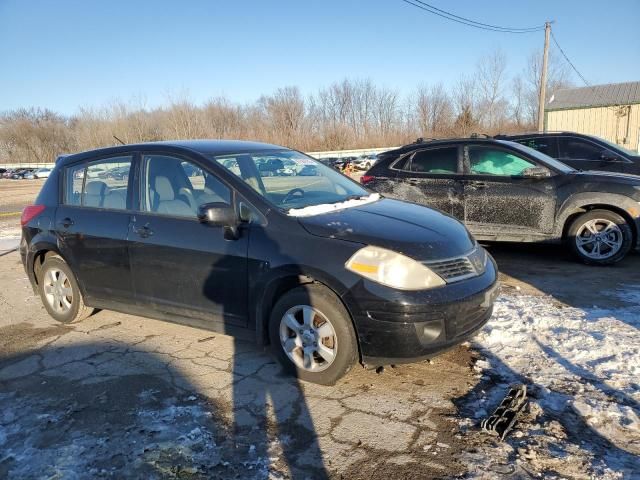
465	102
490	82
558	76
433	110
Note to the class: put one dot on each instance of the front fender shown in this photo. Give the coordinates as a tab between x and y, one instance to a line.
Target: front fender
578	202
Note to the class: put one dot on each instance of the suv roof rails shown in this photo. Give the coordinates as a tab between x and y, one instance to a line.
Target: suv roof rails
519	134
479	135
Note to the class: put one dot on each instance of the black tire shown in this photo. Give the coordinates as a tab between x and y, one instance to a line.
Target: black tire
77	310
578	226
328	305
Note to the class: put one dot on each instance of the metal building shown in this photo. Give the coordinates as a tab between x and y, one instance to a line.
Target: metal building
610	111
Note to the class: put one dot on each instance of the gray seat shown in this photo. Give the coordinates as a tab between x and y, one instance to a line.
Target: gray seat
116	199
94	193
167	202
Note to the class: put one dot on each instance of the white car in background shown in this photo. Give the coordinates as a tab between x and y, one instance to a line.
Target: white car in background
42	173
365	162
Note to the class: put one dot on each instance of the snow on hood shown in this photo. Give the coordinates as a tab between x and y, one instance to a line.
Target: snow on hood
331	207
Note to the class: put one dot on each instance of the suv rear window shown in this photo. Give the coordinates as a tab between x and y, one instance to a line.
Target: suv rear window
435	161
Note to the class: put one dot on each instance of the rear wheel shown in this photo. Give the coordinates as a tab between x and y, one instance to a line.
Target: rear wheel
600	237
60	293
312	335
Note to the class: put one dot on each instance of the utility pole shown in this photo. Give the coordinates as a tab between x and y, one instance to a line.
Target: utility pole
543	77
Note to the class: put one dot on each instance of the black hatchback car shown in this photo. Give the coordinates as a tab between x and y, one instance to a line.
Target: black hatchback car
319	267
505	191
582	152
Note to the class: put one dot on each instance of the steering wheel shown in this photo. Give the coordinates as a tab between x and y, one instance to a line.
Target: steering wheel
291	193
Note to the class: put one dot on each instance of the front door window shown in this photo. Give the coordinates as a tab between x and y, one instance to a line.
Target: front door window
177	188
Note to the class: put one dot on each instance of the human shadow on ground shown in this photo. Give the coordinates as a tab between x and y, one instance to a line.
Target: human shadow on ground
112	410
270	411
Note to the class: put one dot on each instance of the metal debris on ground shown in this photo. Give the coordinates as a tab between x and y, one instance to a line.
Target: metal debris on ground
504	417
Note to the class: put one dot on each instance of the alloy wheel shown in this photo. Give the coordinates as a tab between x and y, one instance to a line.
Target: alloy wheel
308	338
58	290
599	239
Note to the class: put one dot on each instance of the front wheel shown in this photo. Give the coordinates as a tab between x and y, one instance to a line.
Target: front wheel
312	335
600	237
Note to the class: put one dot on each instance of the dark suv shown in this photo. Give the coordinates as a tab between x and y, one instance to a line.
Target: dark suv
195	232
505	191
582	152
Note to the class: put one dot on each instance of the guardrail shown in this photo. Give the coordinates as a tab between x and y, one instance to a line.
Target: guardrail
328	153
27	165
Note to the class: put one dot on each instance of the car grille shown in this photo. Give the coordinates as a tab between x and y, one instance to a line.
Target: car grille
459	268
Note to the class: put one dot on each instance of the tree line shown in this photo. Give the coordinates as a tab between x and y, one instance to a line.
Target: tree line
352	113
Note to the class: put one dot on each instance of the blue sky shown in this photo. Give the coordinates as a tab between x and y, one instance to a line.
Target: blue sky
65	54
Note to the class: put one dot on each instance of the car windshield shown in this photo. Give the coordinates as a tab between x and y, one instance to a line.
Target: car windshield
544	159
616	147
292	180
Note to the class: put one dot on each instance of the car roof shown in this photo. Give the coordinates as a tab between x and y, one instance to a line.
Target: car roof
440	142
206	147
538	134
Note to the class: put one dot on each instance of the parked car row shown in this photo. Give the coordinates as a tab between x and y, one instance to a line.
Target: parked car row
24	173
363	162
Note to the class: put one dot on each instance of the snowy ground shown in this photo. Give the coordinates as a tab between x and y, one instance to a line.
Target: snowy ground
582	368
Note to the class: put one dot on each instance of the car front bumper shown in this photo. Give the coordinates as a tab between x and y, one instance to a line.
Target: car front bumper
395	326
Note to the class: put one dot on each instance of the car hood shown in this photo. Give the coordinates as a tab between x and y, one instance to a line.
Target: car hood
625	178
416	231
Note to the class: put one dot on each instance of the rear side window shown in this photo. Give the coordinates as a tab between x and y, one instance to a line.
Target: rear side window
100	184
436	161
546	145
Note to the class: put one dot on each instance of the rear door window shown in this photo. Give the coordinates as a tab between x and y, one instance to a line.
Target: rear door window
100	184
443	161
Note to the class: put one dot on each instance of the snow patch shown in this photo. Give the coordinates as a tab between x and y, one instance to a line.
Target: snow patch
582	367
331	207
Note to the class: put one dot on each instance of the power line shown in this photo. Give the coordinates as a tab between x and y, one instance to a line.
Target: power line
553	37
468	22
594	89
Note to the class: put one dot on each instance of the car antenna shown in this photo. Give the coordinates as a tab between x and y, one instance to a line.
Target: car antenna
119	140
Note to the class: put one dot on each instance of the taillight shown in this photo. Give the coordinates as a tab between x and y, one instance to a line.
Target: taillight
364	179
30	212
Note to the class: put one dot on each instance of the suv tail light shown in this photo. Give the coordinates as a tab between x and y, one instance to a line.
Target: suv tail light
365	179
30	212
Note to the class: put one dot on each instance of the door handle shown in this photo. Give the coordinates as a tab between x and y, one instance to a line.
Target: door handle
66	222
143	232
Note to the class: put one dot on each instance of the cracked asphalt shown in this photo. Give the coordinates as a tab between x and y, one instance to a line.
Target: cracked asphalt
123	396
120	396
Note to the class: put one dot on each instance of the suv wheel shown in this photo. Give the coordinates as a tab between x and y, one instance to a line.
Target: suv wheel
312	335
60	293
600	237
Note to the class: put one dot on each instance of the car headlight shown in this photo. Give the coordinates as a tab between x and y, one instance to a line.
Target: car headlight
392	269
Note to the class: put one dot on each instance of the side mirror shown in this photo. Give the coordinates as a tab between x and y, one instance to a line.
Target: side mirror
536	172
219	214
608	156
